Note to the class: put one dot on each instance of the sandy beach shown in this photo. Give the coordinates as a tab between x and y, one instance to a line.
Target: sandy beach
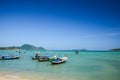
11	77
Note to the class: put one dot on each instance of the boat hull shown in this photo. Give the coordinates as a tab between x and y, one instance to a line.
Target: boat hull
60	62
9	58
43	60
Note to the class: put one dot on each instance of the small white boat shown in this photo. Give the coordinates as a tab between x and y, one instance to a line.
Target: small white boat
59	61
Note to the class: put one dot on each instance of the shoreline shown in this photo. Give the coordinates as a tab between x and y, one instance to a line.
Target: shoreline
11	77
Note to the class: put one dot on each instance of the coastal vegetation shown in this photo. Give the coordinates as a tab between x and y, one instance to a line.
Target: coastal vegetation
23	47
31	47
10	48
115	49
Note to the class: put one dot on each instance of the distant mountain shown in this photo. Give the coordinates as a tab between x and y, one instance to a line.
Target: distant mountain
80	50
41	48
31	47
116	49
10	48
25	47
83	50
28	47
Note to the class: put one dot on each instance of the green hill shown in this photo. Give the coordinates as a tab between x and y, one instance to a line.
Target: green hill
31	47
116	49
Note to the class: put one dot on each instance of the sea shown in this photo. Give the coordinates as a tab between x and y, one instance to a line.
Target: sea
86	65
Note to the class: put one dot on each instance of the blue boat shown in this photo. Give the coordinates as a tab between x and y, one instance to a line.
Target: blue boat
7	57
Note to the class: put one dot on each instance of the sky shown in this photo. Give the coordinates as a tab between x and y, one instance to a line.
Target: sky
60	24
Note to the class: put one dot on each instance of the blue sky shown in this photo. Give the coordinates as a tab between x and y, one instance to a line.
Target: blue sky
61	24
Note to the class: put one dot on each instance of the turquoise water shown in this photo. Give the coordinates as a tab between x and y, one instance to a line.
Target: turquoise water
83	66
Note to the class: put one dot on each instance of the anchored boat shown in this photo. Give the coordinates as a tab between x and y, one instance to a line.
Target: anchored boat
59	60
7	57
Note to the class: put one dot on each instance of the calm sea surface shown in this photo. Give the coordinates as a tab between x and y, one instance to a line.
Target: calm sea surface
83	66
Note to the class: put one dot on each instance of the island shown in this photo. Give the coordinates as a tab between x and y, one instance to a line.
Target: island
115	49
23	47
